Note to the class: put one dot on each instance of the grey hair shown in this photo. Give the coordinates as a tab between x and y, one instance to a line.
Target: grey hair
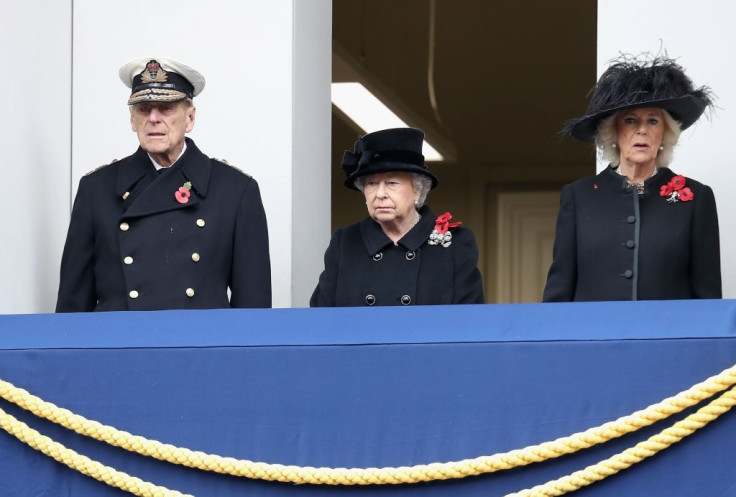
606	138
420	182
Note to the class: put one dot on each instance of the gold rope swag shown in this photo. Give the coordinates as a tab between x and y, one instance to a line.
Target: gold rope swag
380	476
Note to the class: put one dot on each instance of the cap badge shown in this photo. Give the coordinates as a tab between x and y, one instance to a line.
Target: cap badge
153	73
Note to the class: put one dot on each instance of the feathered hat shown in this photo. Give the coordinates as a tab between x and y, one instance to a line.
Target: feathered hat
642	81
396	149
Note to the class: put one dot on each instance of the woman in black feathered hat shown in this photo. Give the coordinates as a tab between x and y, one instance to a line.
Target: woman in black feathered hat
401	254
637	230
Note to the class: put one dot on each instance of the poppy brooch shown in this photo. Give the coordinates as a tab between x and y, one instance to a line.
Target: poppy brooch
441	234
675	190
182	194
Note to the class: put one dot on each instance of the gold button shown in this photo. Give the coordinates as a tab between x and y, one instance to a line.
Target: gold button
190	292
133	294
125	195
124	226
195	257
128	260
200	223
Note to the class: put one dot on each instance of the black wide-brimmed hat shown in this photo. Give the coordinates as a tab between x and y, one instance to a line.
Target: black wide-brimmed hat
160	80
397	149
642	81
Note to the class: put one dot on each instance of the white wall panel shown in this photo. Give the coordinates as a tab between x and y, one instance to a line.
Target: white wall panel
35	132
312	120
700	35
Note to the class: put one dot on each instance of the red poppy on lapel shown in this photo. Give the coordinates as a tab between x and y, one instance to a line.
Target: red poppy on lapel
441	235
182	194
442	224
675	190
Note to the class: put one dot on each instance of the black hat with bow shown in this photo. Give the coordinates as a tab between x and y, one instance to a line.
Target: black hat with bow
397	149
641	82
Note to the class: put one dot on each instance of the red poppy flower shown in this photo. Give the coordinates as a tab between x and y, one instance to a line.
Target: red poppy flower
686	194
442	224
444	218
182	195
677	182
665	190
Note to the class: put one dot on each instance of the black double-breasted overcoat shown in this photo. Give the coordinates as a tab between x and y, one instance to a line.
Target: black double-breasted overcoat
364	267
615	244
132	245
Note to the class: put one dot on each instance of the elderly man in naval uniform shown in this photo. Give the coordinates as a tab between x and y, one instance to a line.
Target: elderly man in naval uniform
167	227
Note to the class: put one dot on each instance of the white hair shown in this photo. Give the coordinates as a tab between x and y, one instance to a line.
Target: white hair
606	138
420	182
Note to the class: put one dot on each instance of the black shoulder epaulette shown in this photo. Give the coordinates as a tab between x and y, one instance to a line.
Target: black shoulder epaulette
224	161
100	167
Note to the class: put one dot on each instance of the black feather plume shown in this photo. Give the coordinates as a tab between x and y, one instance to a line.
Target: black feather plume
642	81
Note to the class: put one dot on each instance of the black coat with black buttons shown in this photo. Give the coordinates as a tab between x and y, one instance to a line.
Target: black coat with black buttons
364	267
132	245
614	244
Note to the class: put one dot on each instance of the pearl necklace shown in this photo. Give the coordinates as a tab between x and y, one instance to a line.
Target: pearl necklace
417	217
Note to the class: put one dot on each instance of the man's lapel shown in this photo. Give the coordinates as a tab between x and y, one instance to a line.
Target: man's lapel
160	193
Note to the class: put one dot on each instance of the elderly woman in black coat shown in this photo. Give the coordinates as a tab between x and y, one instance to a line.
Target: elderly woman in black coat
637	230
401	254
